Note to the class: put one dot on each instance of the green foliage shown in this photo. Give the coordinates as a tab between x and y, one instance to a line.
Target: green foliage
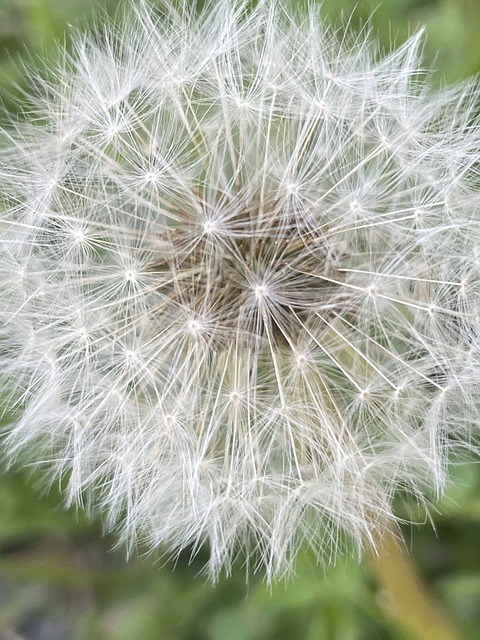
58	573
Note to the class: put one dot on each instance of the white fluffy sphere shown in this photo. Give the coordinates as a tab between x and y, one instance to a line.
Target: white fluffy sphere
239	260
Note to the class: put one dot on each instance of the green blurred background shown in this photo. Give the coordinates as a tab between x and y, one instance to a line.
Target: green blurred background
60	579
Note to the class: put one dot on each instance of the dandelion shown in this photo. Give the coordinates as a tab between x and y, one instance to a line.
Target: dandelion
240	265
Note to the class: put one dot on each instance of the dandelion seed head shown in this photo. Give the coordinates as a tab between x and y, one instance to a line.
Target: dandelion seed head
240	281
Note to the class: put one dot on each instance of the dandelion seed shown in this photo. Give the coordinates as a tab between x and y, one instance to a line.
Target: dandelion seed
240	281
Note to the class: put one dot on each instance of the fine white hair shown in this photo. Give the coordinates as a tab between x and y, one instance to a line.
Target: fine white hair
239	262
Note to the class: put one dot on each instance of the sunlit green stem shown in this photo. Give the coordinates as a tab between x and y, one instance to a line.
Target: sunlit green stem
405	597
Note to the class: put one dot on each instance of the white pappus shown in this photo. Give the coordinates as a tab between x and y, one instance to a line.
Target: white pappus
239	261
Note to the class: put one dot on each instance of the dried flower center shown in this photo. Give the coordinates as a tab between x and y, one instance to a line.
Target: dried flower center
262	278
